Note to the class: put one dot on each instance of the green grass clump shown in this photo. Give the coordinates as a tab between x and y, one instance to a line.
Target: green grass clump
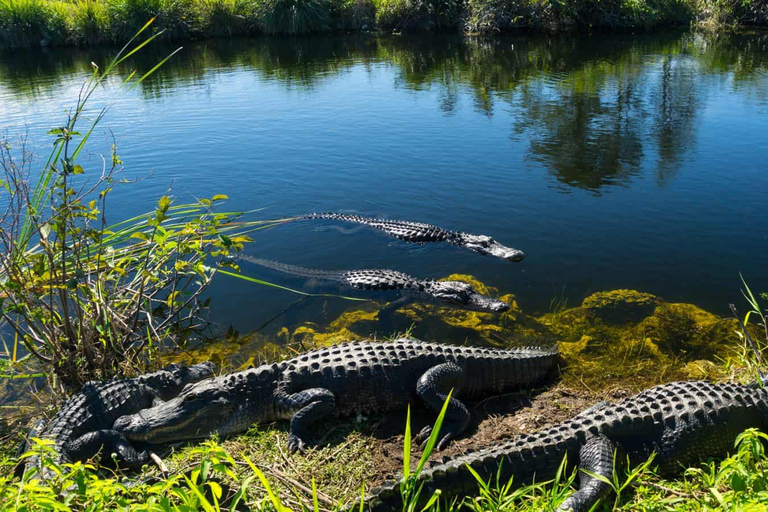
88	22
26	23
294	16
410	15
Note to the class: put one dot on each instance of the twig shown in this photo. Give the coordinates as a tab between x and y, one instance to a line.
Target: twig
664	488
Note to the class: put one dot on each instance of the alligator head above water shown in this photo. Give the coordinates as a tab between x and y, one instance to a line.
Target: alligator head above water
448	293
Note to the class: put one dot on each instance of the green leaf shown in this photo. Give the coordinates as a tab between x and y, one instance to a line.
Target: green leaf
78	169
219	197
163	203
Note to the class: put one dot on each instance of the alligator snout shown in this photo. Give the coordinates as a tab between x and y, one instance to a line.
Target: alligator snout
514	255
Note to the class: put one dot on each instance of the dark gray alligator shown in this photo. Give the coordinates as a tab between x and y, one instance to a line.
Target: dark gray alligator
346	379
682	422
421	233
449	293
83	425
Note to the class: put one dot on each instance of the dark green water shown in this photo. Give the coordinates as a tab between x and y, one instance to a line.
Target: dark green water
614	162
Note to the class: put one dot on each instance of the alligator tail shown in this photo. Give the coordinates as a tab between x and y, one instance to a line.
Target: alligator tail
294	270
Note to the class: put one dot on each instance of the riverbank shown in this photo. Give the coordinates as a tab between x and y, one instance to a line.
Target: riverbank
613	344
30	23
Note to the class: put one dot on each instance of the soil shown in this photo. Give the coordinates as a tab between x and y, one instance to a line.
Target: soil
493	419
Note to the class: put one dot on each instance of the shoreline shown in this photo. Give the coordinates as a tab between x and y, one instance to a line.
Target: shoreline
94	23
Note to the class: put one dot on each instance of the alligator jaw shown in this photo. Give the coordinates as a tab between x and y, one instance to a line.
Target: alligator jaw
487	246
194	414
479	302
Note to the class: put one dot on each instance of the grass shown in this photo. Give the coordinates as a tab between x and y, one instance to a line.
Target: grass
254	472
25	23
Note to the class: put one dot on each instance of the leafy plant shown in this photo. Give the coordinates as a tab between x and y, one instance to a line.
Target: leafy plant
89	299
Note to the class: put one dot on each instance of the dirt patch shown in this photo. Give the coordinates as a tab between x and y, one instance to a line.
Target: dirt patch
493	419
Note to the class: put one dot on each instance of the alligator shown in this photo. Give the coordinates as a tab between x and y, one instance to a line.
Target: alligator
683	423
344	380
450	293
421	233
83	425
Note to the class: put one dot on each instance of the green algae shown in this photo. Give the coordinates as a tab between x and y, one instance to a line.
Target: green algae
652	342
621	305
613	339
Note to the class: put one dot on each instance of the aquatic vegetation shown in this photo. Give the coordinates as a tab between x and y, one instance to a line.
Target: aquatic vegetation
620	305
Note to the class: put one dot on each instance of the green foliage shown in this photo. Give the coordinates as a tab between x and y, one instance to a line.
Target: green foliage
88	299
717	14
409	15
88	23
26	23
293	16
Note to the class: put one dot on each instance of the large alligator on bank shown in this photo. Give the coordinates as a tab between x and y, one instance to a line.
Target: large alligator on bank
447	293
83	425
421	233
346	379
683	423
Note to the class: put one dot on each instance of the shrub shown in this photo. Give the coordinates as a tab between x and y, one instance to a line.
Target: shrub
228	17
88	22
25	23
293	16
409	15
177	18
90	300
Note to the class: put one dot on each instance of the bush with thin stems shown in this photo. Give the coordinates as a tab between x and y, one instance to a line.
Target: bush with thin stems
91	299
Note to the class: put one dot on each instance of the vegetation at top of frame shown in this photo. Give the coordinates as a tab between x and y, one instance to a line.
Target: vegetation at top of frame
25	23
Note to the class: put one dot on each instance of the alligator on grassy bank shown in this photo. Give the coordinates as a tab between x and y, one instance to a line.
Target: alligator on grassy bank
346	379
447	293
83	425
682	422
421	233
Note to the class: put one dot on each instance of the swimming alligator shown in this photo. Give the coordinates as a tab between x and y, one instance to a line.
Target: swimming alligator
83	425
683	423
450	293
346	379
421	233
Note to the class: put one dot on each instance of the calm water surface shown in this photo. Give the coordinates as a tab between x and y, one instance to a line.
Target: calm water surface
614	162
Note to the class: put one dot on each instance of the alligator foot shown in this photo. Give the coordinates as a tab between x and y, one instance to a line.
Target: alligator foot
311	405
595	460
433	388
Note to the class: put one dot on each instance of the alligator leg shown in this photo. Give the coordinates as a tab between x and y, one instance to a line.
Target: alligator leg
596	456
108	442
433	388
310	406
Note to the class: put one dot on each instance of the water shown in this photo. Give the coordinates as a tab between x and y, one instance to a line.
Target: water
614	162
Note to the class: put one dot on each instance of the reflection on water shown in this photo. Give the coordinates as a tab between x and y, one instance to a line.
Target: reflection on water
614	162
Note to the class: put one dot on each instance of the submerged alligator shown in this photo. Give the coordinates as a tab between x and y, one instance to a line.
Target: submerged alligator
450	293
346	379
420	233
83	425
683	423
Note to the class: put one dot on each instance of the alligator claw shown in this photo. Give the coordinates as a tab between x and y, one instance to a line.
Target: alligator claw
295	444
423	436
